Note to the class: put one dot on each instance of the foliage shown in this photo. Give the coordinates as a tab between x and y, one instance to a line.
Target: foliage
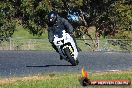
32	14
7	23
123	15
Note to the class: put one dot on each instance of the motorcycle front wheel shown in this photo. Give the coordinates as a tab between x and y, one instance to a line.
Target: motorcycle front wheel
71	59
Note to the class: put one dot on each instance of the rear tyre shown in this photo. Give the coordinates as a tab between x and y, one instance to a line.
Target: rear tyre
71	59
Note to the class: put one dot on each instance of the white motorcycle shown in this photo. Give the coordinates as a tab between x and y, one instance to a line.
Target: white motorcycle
66	47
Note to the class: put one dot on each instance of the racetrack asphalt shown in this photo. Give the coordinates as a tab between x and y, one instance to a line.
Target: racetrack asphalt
24	63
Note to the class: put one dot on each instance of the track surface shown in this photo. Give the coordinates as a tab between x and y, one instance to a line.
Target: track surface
23	63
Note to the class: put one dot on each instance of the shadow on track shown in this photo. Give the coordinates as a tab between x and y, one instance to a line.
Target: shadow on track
51	66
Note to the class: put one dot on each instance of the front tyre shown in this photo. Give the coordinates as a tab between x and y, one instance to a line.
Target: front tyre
71	59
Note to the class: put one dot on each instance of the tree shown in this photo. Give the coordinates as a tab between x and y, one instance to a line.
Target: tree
32	14
7	23
123	17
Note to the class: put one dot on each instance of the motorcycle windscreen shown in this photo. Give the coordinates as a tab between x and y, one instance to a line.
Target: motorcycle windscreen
59	34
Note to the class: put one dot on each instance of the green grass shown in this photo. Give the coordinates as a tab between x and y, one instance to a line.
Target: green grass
64	80
21	34
25	34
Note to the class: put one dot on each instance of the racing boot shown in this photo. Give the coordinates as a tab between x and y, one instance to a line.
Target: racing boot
61	58
79	49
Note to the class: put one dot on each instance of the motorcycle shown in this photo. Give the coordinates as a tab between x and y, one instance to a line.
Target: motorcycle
66	47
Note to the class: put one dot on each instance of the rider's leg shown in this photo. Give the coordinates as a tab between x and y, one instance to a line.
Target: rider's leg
56	50
55	47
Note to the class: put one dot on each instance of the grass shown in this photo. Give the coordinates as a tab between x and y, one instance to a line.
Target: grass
23	40
25	34
62	80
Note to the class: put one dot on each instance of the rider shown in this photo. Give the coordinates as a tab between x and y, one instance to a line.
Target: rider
55	25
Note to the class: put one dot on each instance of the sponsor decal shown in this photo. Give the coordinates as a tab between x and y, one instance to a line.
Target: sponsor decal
85	81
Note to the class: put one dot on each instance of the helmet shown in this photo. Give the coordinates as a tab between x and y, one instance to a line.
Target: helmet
52	17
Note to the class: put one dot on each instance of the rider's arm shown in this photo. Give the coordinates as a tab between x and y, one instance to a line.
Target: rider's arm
50	34
68	26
